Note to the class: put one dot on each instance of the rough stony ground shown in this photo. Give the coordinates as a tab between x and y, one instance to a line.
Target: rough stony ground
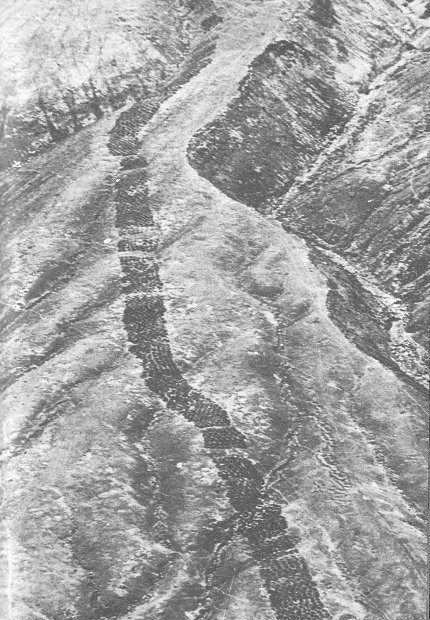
117	503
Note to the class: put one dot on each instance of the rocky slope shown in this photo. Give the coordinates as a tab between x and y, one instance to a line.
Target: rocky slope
363	204
66	65
203	418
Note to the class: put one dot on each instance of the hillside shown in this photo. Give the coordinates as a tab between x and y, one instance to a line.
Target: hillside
214	302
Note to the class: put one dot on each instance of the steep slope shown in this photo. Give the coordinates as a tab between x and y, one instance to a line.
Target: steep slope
310	106
189	433
70	63
374	208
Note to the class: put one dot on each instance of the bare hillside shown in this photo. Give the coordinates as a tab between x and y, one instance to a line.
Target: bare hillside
213	310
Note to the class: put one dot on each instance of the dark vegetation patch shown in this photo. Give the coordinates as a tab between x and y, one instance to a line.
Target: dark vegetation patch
123	137
49	119
269	291
210	22
57	111
199	58
97	601
185	599
144	321
223	438
362	317
426	13
322	11
255	150
54	274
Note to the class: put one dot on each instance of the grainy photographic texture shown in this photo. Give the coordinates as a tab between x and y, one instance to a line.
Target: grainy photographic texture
214	298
